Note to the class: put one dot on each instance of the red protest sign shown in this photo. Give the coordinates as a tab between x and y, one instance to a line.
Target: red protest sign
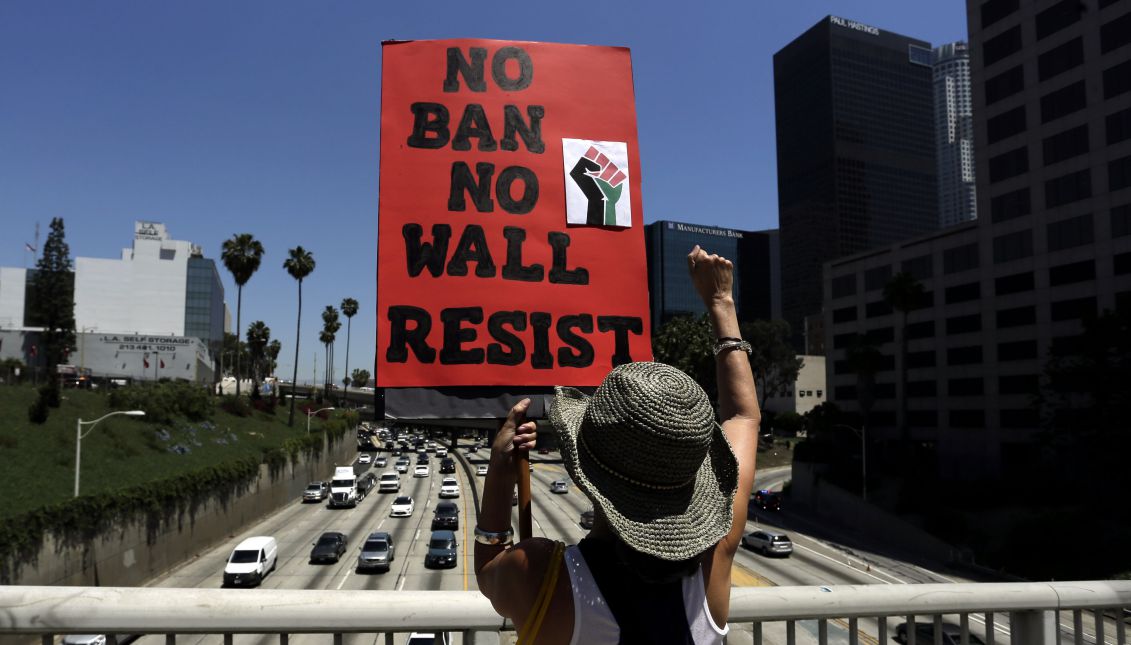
510	233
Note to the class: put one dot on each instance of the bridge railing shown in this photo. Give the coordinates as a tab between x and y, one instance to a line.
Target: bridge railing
1038	613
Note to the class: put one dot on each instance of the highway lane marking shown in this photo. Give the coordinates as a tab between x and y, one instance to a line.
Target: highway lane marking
740	576
849	566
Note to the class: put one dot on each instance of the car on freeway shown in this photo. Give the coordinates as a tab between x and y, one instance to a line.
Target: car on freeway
543	451
329	547
586	519
401	466
447	465
422	459
514	499
365	484
421	470
473	449
396	452
767	500
403	506
390	483
441	550
449	487
365	458
381	461
481	471
429	638
446	516
99	639
559	487
441	452
768	543
316	492
925	633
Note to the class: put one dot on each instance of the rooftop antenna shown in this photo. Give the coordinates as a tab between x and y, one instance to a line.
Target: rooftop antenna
32	248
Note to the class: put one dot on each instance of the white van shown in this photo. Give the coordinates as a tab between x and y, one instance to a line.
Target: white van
251	561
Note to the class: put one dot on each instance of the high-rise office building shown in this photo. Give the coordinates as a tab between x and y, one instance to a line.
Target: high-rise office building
954	134
756	258
855	150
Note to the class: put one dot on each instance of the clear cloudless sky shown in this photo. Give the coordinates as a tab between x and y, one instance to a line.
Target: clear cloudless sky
221	117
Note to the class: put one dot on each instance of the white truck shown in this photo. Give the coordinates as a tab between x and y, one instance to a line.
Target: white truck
343	487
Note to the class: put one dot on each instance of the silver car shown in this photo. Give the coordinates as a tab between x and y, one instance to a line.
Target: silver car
768	543
377	552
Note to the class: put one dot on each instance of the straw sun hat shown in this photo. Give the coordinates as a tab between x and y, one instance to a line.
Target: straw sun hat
647	450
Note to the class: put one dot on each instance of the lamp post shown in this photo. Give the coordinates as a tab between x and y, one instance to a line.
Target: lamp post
863	434
79	436
311	414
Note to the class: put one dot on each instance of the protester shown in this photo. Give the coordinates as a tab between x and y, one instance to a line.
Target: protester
662	477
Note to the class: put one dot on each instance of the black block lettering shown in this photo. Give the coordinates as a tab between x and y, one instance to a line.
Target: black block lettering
401	337
472	73
620	326
480	191
584	355
513	269
495	352
541	358
474	123
455	335
420	254
422	125
531	135
472	246
499	69
559	242
529	190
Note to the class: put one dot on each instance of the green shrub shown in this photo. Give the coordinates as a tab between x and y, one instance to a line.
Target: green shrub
236	406
37	412
164	402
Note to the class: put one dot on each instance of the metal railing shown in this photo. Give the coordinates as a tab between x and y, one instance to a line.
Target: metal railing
1033	610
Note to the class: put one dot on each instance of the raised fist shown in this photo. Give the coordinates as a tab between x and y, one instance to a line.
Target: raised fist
601	182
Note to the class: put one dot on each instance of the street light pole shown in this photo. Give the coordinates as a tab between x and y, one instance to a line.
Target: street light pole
79	436
311	414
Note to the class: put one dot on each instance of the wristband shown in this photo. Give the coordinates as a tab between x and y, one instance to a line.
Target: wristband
728	345
494	538
725	338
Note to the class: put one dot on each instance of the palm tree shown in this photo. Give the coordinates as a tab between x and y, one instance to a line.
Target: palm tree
330	326
300	264
241	255
905	294
349	310
258	335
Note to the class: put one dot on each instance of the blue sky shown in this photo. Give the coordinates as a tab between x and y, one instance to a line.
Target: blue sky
225	117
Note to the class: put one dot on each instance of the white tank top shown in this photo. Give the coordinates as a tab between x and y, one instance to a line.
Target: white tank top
594	624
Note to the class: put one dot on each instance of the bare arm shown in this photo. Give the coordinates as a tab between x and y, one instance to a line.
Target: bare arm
713	277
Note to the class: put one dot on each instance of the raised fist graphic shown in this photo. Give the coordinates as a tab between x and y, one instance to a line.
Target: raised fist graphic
601	182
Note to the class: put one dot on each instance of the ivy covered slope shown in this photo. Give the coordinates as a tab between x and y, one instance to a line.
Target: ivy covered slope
188	448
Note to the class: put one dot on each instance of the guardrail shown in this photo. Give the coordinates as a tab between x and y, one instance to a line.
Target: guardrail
1033	611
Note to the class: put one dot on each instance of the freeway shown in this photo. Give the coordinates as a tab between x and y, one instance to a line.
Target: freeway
815	562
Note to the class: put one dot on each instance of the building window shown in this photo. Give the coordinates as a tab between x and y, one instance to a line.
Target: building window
1009	164
920	389
964	355
1121	221
923	418
963	292
922	329
876	278
1013	246
1005	124
1073	344
960	258
1073	309
1062	102
877	309
1065	145
1019	418
1119	173
1018	384
1069	233
844	314
967	419
1016	317
1010	205
1072	273
1001	45
921	267
879	336
963	324
1121	263
1115	34
1058	16
994	10
921	359
844	341
1004	85
1117	79
964	387
845	393
1118	126
844	285
1018	350
1016	283
1068	188
883	390
1060	59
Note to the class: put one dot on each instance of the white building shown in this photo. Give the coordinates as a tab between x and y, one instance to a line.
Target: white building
954	134
807	392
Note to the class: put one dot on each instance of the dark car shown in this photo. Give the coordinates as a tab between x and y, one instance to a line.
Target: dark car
767	500
587	519
365	483
925	633
441	550
447	465
329	547
422	458
377	552
446	516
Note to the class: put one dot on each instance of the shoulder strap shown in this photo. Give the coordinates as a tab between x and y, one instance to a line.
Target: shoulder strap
533	623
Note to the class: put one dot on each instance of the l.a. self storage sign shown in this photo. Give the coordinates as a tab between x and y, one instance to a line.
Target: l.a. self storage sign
511	246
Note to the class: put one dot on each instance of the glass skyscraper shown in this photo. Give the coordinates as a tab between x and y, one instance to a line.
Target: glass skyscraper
954	134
